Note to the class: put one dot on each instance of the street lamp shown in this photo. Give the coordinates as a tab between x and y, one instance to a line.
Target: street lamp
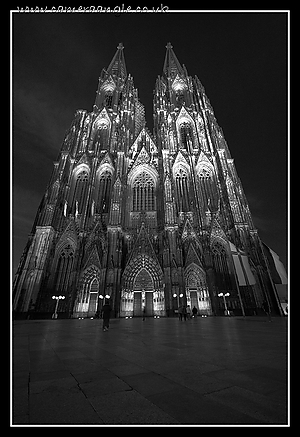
224	295
175	295
58	298
107	296
100	305
178	300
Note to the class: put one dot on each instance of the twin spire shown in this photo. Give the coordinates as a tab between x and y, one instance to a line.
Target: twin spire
116	75
171	67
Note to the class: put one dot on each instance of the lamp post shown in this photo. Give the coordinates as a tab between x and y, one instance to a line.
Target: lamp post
99	309
179	297
224	295
175	295
101	297
58	298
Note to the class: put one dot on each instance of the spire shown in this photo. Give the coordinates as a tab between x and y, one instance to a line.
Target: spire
171	65
117	66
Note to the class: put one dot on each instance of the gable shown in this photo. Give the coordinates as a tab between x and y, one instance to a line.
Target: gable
184	117
106	164
143	157
83	162
142	245
68	236
143	140
217	232
93	259
102	118
179	84
180	161
108	85
203	160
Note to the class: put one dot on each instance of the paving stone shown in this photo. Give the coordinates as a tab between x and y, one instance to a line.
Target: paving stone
149	383
162	371
61	407
259	407
130	407
104	386
189	407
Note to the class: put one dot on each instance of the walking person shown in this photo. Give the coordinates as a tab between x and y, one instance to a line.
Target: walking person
194	311
184	312
106	310
188	312
144	313
180	312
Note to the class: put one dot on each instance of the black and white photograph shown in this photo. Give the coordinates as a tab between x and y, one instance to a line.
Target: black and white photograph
149	205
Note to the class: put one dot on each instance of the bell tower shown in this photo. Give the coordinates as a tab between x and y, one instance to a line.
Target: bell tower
213	246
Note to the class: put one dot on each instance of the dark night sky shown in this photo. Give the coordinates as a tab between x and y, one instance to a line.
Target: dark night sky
240	58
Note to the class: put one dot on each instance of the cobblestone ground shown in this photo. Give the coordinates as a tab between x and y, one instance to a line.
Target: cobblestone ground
216	371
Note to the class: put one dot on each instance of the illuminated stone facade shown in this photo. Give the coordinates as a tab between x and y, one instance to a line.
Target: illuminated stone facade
151	220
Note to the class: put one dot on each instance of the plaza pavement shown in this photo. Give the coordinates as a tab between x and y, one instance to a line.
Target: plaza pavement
209	371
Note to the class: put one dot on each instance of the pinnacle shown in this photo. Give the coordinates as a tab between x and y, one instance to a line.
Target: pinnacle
171	64
117	66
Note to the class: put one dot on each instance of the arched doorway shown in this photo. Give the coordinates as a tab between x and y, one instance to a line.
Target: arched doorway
87	297
196	289
142	286
93	296
143	293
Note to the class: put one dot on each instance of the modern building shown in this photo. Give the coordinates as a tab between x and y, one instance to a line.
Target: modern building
154	220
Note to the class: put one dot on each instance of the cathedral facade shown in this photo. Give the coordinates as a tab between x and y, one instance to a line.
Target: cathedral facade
144	220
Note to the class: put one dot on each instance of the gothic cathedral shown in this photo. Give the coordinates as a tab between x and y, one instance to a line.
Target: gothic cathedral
144	220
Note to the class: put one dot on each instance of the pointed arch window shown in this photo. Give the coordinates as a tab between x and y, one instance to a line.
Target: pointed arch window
55	188
182	189
179	97
205	179
108	99
104	192
208	187
233	200
168	190
64	269
143	189
220	263
102	135
80	191
186	134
